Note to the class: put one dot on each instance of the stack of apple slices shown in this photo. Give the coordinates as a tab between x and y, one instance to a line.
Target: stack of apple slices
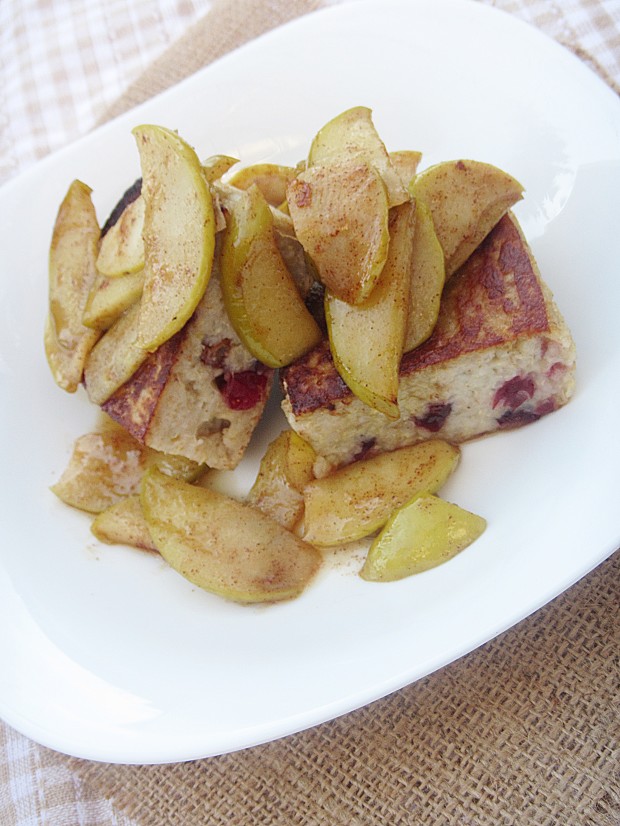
269	547
131	292
384	240
116	299
359	225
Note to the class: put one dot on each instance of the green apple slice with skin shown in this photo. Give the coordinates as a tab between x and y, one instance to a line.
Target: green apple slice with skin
424	533
260	295
357	500
272	180
227	198
123	523
215	166
340	214
115	357
121	251
466	199
72	272
224	546
285	469
428	277
352	136
406	162
367	340
107	466
179	234
110	297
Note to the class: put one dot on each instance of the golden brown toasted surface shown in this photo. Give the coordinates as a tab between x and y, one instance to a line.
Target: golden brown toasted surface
495	297
201	394
134	403
313	381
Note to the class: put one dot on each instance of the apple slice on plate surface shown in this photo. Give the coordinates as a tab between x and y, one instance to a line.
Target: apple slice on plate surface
285	469
356	500
424	533
223	545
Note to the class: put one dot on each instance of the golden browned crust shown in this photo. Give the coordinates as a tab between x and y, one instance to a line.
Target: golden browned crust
496	297
134	403
313	382
201	394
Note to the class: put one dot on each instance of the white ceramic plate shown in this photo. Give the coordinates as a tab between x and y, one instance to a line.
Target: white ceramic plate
108	654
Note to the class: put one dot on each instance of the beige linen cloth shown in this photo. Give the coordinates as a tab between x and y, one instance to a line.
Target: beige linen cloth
525	730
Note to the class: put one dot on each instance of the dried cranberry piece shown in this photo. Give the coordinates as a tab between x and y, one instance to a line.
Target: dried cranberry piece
365	448
556	367
514	392
516	418
547	406
243	390
434	417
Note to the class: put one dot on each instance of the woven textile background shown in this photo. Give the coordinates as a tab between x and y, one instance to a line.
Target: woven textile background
65	63
526	730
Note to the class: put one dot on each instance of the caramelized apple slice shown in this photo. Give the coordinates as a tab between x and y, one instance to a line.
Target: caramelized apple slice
105	467
272	179
466	200
179	234
217	165
406	162
427	279
110	297
123	523
367	339
224	546
261	298
122	249
284	471
340	214
72	272
115	357
352	136
357	500
424	533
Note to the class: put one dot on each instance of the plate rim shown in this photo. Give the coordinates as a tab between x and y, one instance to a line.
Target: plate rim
157	100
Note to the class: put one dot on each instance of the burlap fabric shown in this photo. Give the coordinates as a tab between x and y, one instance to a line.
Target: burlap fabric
589	28
525	730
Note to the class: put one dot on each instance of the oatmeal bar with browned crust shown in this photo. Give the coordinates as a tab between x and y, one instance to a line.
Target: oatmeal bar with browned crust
501	356
201	394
